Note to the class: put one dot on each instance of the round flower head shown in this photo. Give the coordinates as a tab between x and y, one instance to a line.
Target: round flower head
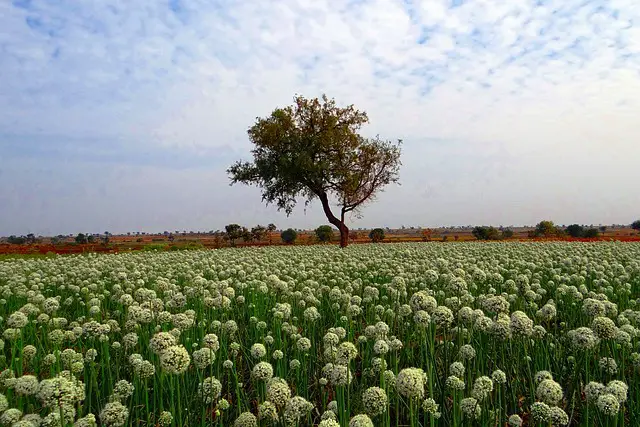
296	408
88	421
374	401
559	417
361	420
278	392
161	341
431	407
583	338
11	416
26	385
541	376
549	392
515	420
442	317
470	408
175	359
482	388
246	419
329	422
454	383
258	351
262	371
340	375
457	369
604	328
608	404
618	389
608	365
541	412
499	377
593	390
4	403
520	324
466	352
203	357
211	341
410	383
209	390
114	414
123	390
267	411
165	419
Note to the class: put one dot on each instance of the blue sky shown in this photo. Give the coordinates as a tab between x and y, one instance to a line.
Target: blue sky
123	116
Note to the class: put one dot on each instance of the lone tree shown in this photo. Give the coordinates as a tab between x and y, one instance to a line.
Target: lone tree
636	225
233	232
324	233
312	149
289	236
376	235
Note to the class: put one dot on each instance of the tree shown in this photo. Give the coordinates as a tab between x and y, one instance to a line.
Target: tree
546	229
591	233
233	232
575	230
486	233
81	239
603	229
507	233
636	225
258	232
289	236
15	240
312	150
324	233
31	239
376	235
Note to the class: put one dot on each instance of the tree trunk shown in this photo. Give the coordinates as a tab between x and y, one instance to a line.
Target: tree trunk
338	223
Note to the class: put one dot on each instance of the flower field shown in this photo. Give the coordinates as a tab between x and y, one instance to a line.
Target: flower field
460	334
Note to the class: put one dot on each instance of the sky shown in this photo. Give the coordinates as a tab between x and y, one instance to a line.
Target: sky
124	116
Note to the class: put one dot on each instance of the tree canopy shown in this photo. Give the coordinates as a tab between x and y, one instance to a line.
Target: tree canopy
312	150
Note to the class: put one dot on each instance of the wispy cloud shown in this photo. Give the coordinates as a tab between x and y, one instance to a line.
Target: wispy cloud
532	91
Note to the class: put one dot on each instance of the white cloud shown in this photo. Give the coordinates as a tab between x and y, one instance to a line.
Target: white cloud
546	83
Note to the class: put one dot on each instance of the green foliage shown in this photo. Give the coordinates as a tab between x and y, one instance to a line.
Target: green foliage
507	233
575	230
289	236
312	150
636	225
591	233
91	238
324	233
258	232
547	229
81	239
486	233
17	240
233	232
154	247
376	235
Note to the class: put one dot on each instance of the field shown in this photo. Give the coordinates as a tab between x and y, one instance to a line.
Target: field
401	334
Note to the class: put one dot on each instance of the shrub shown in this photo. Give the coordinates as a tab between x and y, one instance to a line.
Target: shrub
486	233
636	225
376	235
575	230
591	233
289	236
324	233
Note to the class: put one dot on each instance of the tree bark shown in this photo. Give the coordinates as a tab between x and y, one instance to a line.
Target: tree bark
338	223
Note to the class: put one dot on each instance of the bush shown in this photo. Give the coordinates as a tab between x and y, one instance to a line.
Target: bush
289	236
636	225
81	239
507	233
15	240
547	229
486	233
575	230
324	233
591	233
376	235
